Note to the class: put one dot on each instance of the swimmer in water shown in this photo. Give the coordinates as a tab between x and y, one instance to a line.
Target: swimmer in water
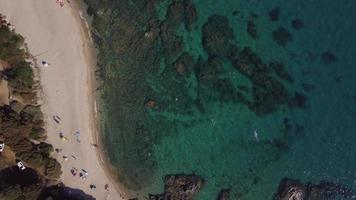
255	134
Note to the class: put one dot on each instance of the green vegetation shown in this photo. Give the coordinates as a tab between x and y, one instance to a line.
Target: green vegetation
12	50
20	76
21	128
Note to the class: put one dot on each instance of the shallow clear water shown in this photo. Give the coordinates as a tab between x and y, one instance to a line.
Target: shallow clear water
312	144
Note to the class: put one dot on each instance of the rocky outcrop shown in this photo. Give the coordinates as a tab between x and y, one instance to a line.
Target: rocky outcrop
179	187
290	189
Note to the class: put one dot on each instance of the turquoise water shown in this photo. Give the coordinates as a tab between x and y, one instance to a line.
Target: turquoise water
197	125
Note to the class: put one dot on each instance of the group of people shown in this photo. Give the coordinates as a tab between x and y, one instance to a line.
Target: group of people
83	174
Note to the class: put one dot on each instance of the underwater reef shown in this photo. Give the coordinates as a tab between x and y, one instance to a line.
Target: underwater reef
139	47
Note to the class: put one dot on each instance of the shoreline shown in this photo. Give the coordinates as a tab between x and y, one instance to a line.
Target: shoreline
90	53
63	85
97	135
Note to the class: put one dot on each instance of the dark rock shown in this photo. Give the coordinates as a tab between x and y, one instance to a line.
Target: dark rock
267	92
236	13
224	194
297	24
281	36
298	100
184	64
251	29
217	35
274	14
179	187
290	189
328	57
280	71
190	14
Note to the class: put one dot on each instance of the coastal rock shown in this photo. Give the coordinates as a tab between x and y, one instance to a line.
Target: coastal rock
281	36
217	34
290	189
179	187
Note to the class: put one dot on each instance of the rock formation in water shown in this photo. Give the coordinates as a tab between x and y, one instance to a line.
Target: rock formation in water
297	24
251	29
328	57
290	189
282	36
274	14
179	187
148	55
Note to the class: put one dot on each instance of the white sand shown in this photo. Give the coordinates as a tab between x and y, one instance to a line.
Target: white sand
58	36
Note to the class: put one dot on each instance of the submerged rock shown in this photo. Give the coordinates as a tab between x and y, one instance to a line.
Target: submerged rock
282	36
251	29
179	187
328	57
297	24
274	14
280	71
217	35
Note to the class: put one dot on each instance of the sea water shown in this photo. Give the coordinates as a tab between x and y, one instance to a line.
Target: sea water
228	144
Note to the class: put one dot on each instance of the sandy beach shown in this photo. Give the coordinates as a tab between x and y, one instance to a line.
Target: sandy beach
58	36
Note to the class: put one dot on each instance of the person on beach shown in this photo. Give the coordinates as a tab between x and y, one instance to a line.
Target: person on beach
45	63
65	158
92	187
74	171
77	134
